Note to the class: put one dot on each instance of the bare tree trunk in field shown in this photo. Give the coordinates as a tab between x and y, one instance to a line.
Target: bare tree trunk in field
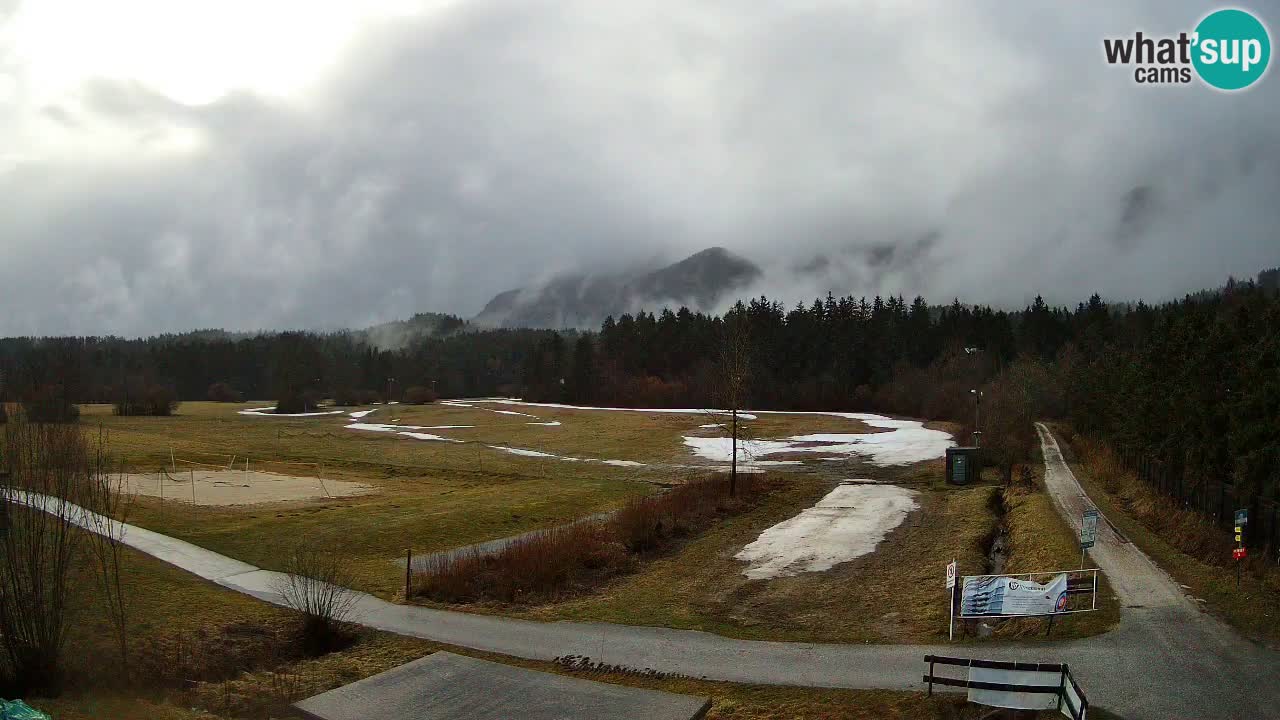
733	374
733	472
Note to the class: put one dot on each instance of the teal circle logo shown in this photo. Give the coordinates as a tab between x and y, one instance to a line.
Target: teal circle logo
1232	49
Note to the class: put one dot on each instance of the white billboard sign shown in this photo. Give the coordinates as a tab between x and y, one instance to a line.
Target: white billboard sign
1002	595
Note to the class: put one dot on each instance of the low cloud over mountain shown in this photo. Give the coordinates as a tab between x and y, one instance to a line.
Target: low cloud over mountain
700	282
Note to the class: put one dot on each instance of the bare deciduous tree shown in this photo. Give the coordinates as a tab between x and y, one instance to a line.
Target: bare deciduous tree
48	466
105	495
733	380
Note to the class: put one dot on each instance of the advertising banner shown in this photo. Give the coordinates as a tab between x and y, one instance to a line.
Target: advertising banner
1004	595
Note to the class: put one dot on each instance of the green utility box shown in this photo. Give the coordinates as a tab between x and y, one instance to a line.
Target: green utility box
963	465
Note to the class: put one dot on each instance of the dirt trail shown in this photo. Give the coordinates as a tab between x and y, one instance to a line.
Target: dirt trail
1137	580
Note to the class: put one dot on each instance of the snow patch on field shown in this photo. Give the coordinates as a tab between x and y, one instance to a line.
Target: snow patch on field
848	523
553	423
560	406
907	442
361	413
270	412
404	430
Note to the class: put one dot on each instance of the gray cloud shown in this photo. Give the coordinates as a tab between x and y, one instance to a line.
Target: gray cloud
986	153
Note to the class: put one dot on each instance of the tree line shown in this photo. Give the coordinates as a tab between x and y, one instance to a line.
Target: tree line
1196	378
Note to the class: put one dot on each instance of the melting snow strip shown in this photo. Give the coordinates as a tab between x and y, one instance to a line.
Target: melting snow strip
270	412
849	522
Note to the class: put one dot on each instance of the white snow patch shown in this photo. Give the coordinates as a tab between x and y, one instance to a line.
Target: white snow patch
529	453
404	430
848	523
560	406
270	412
553	423
428	436
361	413
513	412
907	442
622	463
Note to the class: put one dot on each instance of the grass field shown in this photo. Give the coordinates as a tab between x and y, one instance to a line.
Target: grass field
169	603
422	501
429	495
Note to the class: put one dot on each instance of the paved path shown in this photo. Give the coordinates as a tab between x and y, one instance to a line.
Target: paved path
1167	660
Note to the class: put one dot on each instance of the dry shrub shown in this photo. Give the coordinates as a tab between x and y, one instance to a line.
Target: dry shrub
1187	530
317	584
542	565
647	523
552	563
210	655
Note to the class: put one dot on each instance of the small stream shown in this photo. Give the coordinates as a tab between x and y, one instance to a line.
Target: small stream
997	553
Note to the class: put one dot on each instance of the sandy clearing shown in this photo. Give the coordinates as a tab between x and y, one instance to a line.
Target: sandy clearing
270	412
236	487
849	522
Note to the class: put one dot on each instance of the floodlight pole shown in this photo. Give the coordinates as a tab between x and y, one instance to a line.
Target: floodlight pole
389	381
977	417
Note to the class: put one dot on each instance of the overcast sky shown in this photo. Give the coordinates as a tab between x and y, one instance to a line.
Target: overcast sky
248	164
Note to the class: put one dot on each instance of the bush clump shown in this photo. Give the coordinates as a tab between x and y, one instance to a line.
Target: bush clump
222	392
419	395
293	402
49	404
139	397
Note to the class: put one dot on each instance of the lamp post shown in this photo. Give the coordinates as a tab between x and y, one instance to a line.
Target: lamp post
977	415
389	381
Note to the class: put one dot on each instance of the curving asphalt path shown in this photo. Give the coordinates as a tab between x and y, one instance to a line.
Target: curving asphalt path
1167	659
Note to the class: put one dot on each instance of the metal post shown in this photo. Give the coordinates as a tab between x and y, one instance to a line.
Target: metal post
408	573
951	610
193	487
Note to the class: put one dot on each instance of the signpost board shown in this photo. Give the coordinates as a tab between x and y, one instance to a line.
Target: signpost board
1088	532
1239	553
951	600
1088	528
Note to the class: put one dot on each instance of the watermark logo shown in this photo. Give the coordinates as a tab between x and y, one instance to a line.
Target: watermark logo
1228	50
